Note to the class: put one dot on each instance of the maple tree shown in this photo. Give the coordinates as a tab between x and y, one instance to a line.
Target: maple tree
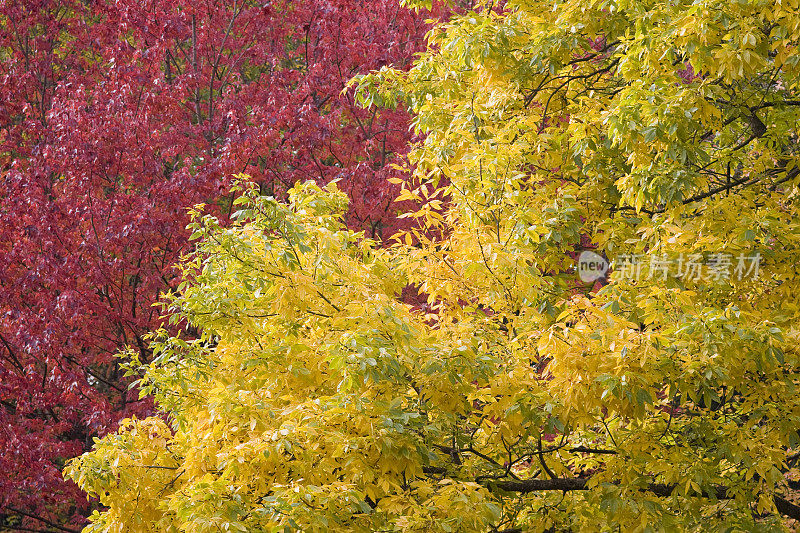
114	118
315	400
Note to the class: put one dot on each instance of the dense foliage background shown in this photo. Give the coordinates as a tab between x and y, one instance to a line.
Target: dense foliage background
296	389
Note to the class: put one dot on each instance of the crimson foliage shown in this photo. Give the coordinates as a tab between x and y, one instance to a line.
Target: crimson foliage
114	117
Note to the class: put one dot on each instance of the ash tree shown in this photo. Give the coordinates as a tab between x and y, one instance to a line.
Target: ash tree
665	133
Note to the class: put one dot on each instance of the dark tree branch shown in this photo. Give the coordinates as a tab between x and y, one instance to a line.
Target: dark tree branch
39	519
784	506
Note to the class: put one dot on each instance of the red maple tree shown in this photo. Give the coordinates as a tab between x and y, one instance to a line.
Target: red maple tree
115	116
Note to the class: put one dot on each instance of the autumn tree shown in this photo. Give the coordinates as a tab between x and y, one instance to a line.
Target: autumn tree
316	401
115	117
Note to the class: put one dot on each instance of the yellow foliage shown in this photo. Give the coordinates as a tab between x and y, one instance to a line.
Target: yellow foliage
521	398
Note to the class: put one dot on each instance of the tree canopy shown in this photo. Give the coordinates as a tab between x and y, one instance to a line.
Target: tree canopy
663	134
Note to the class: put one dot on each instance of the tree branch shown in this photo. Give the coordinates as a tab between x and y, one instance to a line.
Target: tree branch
784	506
